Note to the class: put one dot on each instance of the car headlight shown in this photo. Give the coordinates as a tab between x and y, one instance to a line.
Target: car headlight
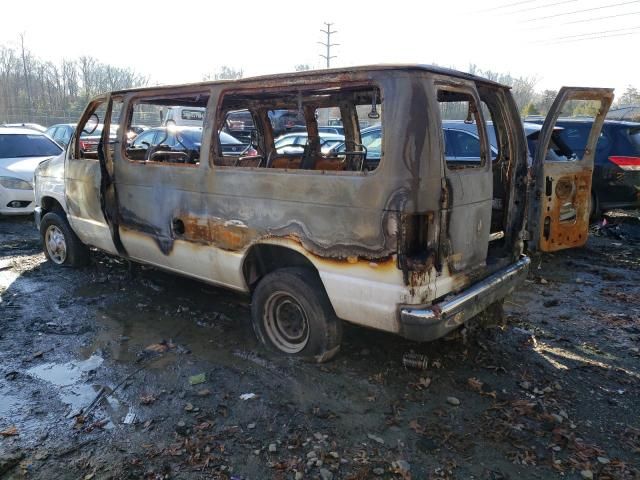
15	183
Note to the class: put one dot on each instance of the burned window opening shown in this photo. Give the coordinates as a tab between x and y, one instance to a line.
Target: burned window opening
306	129
166	130
462	135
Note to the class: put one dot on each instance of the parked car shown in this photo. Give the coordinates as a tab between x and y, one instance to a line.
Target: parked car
283	120
179	144
21	150
337	129
30	126
461	142
417	245
239	124
61	133
616	174
293	143
183	116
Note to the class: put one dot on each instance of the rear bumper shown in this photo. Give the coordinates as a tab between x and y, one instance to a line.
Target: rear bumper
432	322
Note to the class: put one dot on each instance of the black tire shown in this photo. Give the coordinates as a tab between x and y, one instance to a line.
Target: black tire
60	243
292	314
594	208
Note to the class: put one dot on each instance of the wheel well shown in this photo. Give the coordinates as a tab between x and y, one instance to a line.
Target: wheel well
50	204
264	259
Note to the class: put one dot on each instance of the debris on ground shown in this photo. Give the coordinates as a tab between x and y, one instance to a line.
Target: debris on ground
197	379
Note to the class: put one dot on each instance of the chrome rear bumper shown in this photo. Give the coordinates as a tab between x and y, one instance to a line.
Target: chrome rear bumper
435	321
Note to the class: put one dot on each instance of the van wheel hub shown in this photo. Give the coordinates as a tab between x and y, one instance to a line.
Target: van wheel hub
56	244
286	322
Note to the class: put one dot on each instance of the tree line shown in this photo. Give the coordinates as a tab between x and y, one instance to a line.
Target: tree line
35	90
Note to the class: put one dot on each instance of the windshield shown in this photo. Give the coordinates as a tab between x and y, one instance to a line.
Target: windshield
226	139
12	146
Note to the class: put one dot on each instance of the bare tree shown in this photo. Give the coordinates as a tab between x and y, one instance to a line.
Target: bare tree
631	96
224	73
46	92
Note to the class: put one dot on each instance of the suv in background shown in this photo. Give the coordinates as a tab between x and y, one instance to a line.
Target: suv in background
616	174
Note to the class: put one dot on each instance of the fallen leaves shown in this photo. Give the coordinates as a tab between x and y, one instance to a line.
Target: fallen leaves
11	431
480	387
147	399
422	383
162	347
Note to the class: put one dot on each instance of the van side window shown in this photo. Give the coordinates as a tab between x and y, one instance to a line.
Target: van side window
461	137
330	129
166	130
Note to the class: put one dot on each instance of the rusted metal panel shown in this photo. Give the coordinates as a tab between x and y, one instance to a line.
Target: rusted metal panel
569	192
559	210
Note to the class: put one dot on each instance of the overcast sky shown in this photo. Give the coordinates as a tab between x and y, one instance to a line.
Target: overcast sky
560	42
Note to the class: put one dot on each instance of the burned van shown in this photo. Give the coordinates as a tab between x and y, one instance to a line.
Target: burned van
415	234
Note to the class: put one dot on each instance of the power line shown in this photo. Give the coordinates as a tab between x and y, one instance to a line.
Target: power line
328	45
584	20
504	6
602	18
544	6
617	30
581	11
595	38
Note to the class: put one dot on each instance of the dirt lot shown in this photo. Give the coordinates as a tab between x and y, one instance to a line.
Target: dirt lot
120	371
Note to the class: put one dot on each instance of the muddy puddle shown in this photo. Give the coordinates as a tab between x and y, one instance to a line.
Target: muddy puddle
71	380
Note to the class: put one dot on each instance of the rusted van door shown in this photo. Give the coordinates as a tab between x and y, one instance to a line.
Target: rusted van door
467	188
559	208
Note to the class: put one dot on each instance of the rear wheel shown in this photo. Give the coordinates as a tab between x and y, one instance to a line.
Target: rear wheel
60	243
292	314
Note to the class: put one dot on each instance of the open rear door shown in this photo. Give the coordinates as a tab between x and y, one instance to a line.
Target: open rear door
559	208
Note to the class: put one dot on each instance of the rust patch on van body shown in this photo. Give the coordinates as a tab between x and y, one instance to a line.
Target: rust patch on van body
230	235
565	213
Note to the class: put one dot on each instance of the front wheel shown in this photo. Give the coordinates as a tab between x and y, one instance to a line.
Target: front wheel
60	244
292	314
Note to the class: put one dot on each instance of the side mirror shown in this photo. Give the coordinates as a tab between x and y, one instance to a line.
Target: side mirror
91	124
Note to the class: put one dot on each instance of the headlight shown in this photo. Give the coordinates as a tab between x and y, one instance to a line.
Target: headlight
15	183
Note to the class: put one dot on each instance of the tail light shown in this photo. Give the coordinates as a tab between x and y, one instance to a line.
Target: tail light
83	145
626	163
252	152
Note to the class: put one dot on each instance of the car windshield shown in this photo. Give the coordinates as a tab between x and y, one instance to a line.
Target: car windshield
226	139
26	145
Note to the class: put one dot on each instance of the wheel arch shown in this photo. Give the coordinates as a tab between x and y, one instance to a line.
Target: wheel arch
264	258
50	204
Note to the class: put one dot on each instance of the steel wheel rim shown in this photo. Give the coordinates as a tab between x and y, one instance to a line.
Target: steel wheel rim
286	322
56	244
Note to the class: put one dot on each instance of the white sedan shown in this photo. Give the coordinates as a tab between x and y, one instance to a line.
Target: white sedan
293	143
21	150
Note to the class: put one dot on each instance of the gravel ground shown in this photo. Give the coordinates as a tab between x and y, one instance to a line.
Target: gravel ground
122	371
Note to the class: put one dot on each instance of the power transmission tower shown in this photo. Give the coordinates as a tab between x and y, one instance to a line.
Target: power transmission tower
328	45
